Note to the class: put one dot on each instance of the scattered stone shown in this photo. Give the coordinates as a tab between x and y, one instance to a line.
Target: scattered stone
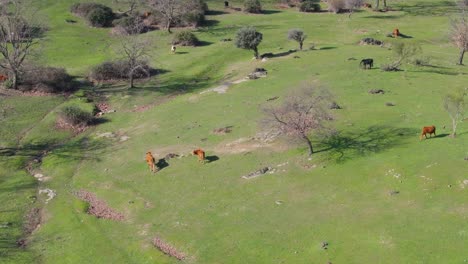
376	91
171	156
334	105
450	185
226	40
97	207
259	172
106	135
168	249
370	41
272	98
389	104
257	73
352	58
296	57
222	130
264	59
124	138
465	182
394	192
50	194
279	202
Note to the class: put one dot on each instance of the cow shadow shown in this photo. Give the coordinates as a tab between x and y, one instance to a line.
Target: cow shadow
343	146
210	159
327	48
181	52
442	135
161	164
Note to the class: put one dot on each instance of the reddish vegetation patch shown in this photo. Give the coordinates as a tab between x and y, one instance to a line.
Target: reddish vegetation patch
103	107
143	108
61	124
167	249
99	208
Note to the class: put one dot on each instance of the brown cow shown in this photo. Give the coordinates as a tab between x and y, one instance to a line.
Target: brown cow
396	33
201	155
3	78
151	162
428	130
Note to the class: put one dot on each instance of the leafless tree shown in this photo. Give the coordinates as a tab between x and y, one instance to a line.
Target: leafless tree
303	111
132	4
134	51
169	9
455	105
18	34
459	36
352	5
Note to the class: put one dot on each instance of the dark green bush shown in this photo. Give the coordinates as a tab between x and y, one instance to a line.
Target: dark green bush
185	38
74	115
83	9
252	6
309	6
117	70
46	79
100	17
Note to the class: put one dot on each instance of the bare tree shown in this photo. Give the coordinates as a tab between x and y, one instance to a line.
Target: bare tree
134	51
455	104
132	4
18	35
304	111
169	9
353	5
459	36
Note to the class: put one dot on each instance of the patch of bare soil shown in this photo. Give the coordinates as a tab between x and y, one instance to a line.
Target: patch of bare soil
76	129
99	208
168	249
222	130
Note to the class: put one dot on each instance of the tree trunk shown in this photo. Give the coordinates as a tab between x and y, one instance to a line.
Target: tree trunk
309	144
131	80
14	80
168	26
255	49
377	2
460	59
385	3
454	128
300	45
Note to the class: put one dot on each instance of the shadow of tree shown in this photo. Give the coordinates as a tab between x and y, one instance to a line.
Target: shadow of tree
342	147
426	8
210	159
161	164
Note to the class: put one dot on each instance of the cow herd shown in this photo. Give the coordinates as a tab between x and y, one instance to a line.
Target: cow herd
151	161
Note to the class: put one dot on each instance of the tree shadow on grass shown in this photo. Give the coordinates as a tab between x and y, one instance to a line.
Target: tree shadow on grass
427	8
344	146
270	12
161	164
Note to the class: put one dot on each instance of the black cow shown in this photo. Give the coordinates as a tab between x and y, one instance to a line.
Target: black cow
366	62
226	4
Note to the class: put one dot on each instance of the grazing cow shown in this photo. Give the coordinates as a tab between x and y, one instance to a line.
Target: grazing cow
428	130
151	162
3	78
367	5
396	33
366	62
201	155
173	48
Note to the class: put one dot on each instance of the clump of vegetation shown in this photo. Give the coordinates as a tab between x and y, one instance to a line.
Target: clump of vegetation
98	15
181	13
185	38
129	25
402	52
252	6
75	116
309	6
249	38
336	6
118	70
455	105
297	35
46	79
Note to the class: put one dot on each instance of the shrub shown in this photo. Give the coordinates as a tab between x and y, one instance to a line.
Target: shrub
83	9
336	6
185	38
116	70
74	115
46	79
129	25
309	6
100	17
297	35
195	15
252	6
390	67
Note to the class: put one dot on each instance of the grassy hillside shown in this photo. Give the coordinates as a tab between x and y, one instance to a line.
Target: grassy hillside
376	193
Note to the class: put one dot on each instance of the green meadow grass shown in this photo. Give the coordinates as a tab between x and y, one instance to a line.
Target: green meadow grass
208	211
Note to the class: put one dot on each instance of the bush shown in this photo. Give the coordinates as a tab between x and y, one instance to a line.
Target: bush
298	36
390	67
249	38
46	79
116	70
252	6
74	115
336	6
83	9
100	17
309	6
185	38
195	15
129	25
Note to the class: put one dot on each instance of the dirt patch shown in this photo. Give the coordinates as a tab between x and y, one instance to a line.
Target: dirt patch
168	249
76	129
223	87
32	221
222	130
98	207
50	194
